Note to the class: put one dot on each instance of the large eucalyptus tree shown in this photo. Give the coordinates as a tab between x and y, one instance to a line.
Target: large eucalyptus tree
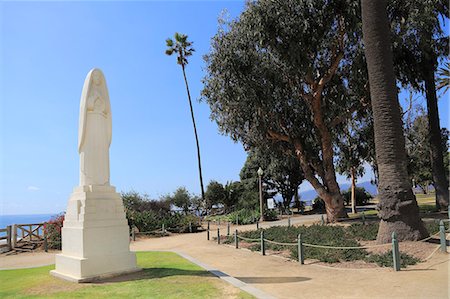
291	72
399	211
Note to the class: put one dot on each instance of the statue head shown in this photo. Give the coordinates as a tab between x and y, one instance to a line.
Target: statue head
97	77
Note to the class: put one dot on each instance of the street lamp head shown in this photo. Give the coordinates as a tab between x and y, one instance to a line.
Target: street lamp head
260	171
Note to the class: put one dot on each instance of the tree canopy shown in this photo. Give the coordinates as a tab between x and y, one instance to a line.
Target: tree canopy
287	74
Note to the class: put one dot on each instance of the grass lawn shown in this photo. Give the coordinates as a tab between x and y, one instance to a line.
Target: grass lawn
165	275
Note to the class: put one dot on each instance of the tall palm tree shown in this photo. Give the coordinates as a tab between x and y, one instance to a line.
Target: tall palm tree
399	211
183	49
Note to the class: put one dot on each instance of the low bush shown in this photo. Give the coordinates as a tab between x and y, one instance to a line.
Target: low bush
363	232
334	236
52	229
362	196
318	204
386	259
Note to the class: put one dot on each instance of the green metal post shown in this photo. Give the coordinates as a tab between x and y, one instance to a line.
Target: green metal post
218	235
442	236
263	248
133	234
163	229
301	257
322	219
236	239
257	224
190	227
395	252
363	217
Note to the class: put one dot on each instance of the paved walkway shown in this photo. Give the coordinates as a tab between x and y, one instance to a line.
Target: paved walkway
287	279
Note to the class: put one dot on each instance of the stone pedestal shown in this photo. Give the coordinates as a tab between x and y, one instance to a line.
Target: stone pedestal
95	236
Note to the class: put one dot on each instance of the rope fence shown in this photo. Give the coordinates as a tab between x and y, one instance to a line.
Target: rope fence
300	244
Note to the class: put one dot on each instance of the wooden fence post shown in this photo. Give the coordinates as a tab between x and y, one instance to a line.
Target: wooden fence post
218	235
442	236
363	218
14	236
322	219
8	237
45	237
228	228
207	232
395	252
236	239
301	257
257	224
263	249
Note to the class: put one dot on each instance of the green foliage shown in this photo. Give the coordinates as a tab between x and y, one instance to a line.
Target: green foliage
418	149
318	204
53	230
148	215
282	173
364	232
181	198
444	77
315	234
267	67
386	259
180	46
244	216
215	194
362	196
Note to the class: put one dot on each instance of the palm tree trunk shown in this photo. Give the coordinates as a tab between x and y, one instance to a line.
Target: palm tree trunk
398	207
437	159
195	133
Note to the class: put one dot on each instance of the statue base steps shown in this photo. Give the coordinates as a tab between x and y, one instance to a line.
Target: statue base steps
95	237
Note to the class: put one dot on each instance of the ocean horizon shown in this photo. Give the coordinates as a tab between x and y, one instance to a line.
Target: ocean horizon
6	220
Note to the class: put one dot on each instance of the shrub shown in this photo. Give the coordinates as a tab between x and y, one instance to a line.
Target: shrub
318	204
314	234
244	216
365	232
52	229
386	259
362	196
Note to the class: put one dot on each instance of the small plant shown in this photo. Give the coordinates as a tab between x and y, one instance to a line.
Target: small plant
52	229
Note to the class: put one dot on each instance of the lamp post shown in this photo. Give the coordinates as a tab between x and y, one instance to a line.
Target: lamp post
261	202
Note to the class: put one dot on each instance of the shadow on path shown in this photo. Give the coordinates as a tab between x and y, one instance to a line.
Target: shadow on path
153	273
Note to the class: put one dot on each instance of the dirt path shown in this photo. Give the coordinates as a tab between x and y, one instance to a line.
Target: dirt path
287	279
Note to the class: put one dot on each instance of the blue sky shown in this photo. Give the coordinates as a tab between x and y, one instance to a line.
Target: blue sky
46	50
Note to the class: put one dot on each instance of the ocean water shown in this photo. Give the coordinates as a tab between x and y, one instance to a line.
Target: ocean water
24	219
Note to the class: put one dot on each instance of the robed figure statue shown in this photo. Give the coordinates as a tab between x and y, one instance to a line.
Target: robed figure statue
95	125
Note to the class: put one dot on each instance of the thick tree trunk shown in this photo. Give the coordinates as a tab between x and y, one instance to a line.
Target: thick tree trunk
398	208
297	200
437	159
352	172
328	190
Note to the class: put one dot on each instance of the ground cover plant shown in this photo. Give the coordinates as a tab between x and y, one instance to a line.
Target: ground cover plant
327	235
165	275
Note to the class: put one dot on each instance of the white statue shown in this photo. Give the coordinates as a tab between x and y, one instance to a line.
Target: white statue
94	136
95	234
